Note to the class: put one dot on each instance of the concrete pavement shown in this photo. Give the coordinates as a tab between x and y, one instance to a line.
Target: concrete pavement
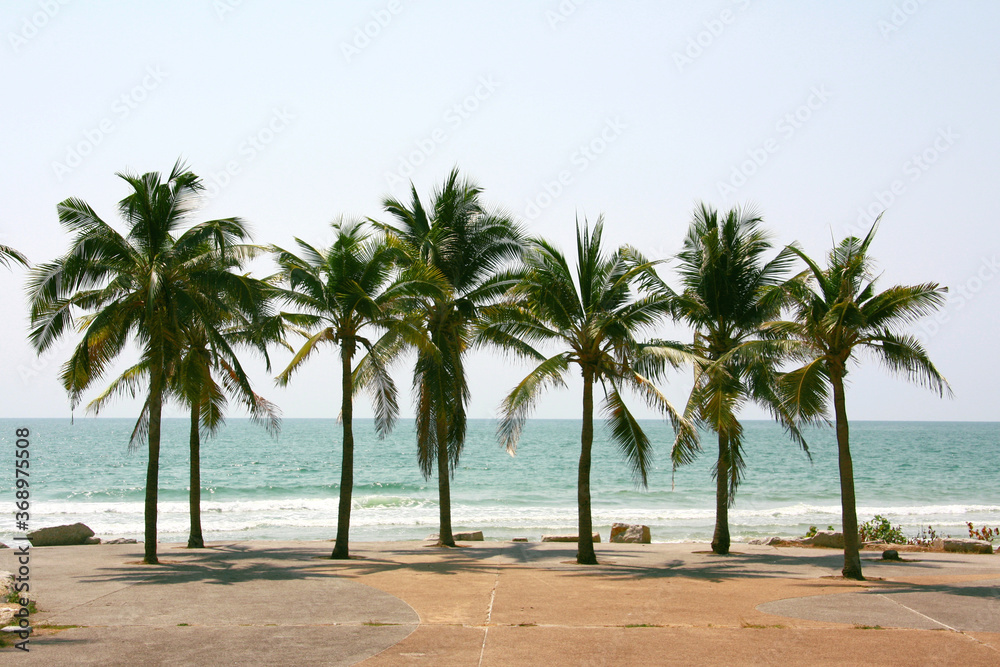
495	603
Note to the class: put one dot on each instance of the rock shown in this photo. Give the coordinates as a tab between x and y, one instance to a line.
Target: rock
56	536
964	545
92	540
890	554
568	538
474	536
7	616
520	539
3	546
121	540
629	533
828	539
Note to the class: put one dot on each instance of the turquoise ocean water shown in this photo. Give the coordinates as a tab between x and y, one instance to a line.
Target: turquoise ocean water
258	487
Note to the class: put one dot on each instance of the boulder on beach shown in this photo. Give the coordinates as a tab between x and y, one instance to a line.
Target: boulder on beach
827	538
471	536
629	533
57	536
964	545
568	538
121	540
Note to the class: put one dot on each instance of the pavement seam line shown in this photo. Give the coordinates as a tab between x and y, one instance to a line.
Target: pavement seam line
932	620
489	615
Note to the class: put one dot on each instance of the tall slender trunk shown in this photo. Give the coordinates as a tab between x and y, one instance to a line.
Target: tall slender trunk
340	549
153	465
585	540
720	540
852	557
195	539
445	537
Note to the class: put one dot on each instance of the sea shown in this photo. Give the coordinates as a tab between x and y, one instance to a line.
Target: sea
259	487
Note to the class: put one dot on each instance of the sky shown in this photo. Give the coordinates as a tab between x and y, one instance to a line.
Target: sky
820	115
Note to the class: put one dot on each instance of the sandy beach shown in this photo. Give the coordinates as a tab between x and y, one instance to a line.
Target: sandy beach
503	603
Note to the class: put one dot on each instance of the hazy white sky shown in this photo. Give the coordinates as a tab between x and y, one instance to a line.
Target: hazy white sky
296	113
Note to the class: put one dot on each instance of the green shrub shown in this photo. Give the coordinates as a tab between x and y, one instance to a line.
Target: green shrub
879	528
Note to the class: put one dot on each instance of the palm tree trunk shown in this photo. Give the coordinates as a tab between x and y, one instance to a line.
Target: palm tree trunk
852	557
195	539
340	549
153	466
585	539
720	540
445	537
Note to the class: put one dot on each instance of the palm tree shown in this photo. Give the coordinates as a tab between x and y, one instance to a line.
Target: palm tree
729	292
195	384
838	312
341	291
8	254
143	286
596	318
471	248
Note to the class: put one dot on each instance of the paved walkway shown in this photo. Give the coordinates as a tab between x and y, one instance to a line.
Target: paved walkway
506	604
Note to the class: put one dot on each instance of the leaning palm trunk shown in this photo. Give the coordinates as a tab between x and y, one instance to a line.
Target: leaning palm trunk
721	540
153	467
445	536
852	557
585	540
340	549
195	539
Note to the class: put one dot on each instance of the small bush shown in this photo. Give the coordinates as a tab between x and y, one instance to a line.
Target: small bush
879	528
924	538
984	533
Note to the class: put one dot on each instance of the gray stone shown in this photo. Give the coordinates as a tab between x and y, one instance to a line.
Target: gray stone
964	545
828	539
568	538
92	540
629	533
890	554
56	536
121	540
473	536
